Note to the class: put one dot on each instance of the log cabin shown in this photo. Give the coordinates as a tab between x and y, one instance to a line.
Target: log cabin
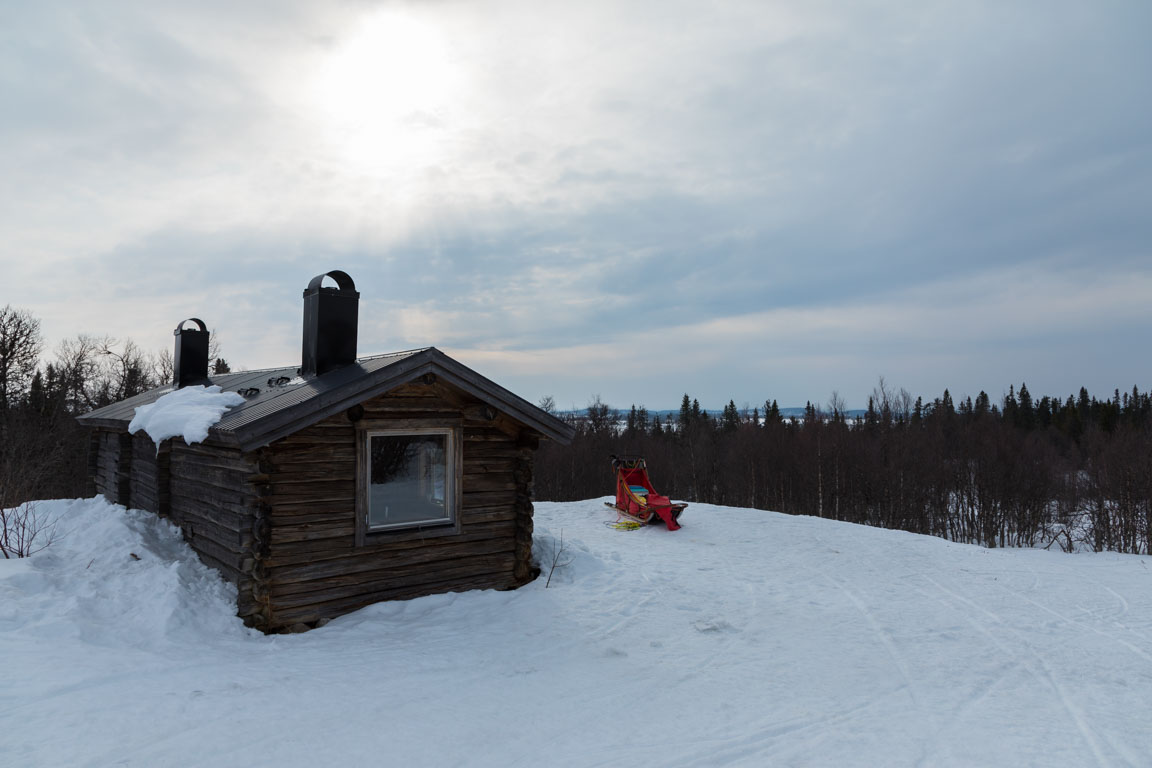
341	481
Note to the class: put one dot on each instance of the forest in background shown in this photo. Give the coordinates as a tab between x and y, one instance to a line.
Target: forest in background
43	450
1072	472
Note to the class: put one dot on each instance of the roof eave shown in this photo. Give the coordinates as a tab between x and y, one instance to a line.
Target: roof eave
489	391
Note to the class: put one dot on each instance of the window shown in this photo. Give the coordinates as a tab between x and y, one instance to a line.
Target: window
410	478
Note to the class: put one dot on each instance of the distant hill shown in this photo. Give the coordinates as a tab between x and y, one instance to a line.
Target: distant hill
854	413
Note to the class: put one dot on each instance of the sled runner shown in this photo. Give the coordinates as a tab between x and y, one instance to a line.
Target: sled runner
637	500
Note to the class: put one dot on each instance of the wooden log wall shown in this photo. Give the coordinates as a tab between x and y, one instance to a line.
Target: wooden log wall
148	476
93	462
124	472
106	464
313	568
213	498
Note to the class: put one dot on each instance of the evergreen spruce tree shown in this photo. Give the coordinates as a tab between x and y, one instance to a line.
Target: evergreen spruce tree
685	414
1044	412
1011	407
730	419
1025	415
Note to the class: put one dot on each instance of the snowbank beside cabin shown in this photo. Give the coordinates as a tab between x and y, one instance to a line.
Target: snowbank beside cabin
747	638
188	412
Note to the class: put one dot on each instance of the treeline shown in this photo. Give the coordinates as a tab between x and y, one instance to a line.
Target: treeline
1075	472
43	449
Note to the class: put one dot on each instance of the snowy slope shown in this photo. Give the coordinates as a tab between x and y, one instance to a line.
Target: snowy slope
747	638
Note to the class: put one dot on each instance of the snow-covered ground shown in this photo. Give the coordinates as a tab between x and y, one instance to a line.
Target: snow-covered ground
747	638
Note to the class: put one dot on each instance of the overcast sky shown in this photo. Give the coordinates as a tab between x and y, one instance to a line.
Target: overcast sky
631	199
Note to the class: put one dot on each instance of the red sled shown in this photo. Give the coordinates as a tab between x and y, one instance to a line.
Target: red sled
637	500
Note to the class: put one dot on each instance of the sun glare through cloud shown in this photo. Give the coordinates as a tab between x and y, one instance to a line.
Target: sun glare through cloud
517	180
384	97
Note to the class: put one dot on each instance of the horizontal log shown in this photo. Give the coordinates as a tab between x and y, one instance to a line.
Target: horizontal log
146	504
381	545
477	464
414	576
279	519
234	500
490	451
307	487
312	437
487	498
344	467
143	488
488	514
186	508
488	483
246	604
233	540
321	495
221	558
327	425
285	534
224	458
371	560
280	506
215	476
484	439
282	617
311	550
344	470
409	405
302	448
481	500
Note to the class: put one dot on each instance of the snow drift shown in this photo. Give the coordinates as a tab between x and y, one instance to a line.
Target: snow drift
746	638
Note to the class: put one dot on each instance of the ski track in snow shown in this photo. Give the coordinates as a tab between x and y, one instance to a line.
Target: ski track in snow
747	638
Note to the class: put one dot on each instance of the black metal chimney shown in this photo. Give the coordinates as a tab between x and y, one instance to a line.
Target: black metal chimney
190	363
330	320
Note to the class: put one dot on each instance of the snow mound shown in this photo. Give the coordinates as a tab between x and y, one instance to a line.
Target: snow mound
187	412
115	577
747	638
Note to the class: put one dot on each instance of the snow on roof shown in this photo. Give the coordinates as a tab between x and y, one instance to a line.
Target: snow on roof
187	412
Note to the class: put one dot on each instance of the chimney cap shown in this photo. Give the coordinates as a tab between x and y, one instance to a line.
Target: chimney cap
343	280
180	326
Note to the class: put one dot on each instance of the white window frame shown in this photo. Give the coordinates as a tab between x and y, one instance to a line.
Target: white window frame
452	478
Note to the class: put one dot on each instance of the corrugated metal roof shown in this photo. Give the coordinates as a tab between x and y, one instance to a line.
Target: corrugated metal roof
278	401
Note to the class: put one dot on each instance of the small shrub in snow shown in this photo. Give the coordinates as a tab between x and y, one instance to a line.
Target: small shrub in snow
25	530
553	560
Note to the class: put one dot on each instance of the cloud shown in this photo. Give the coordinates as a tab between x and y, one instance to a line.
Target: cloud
744	197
